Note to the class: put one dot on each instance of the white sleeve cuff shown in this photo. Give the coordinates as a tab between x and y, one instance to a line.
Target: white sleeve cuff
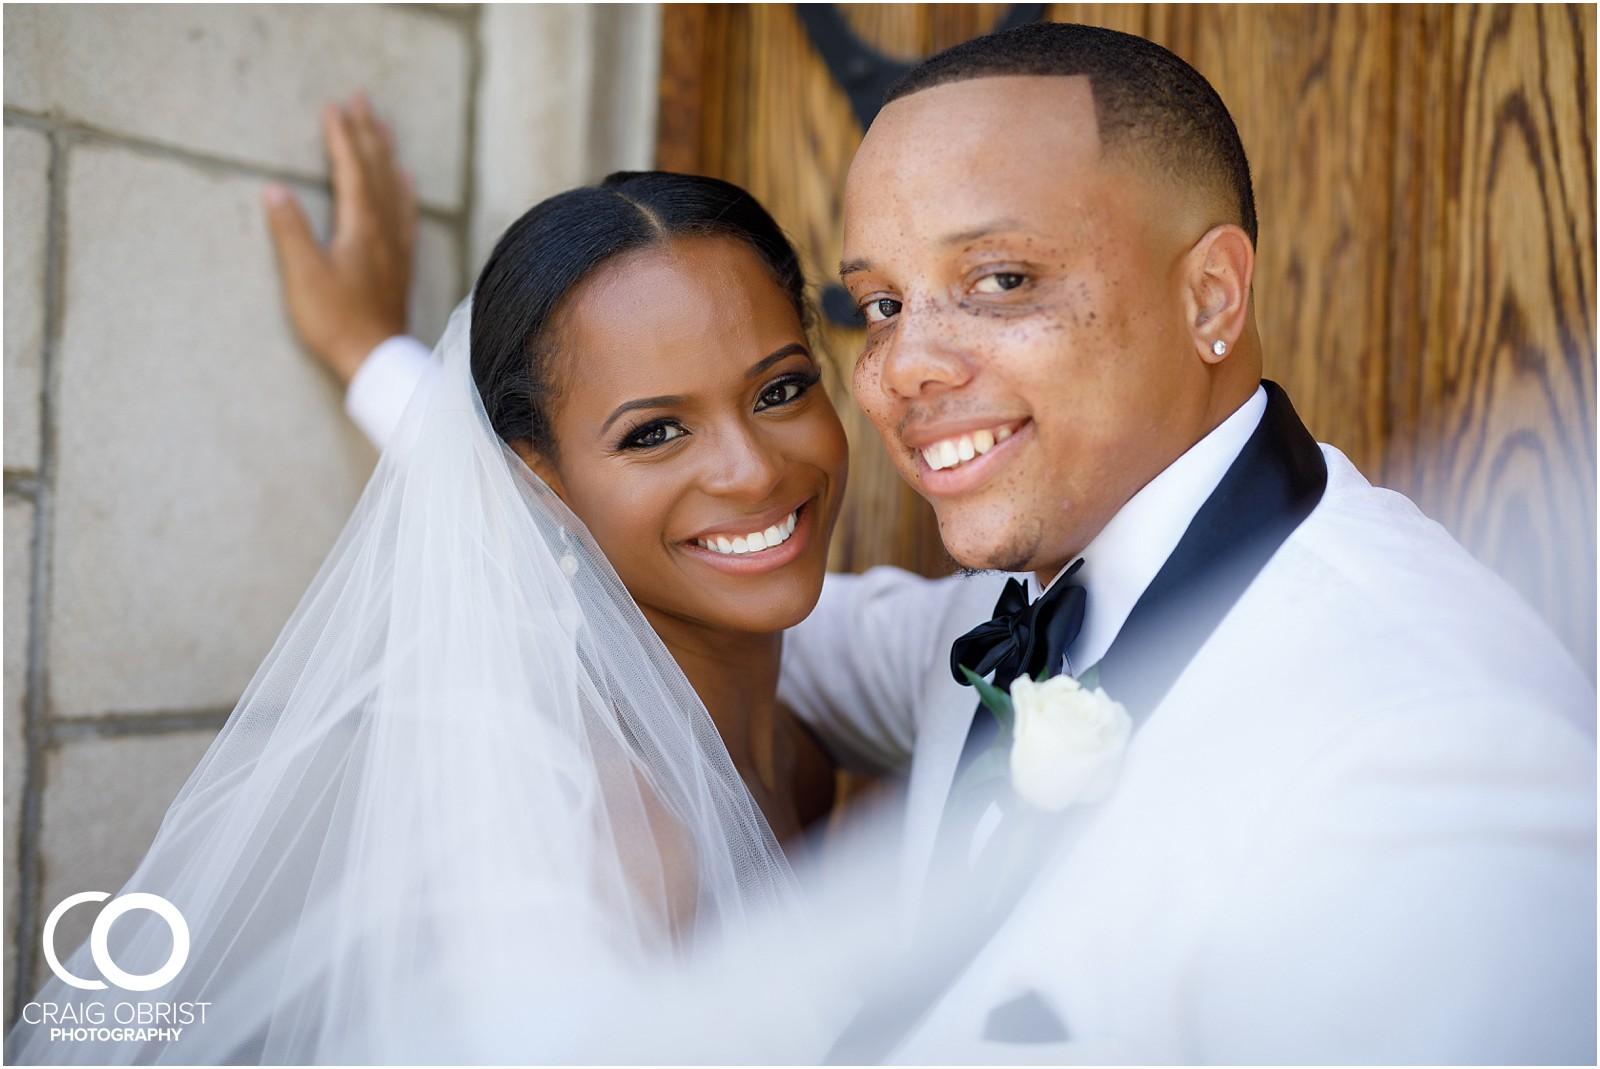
382	386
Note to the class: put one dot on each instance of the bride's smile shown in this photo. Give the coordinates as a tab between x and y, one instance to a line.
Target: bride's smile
760	549
692	435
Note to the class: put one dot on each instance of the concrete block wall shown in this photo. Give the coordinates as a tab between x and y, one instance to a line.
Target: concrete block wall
175	466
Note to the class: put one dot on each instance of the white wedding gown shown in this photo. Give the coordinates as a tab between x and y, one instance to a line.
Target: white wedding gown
468	810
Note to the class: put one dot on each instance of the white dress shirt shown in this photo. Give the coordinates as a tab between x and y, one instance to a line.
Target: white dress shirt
383	385
1125	556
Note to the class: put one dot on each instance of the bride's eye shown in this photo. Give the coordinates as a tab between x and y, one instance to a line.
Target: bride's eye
999	282
880	308
658	432
786	389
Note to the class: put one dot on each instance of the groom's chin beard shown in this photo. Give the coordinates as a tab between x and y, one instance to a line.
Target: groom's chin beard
1016	551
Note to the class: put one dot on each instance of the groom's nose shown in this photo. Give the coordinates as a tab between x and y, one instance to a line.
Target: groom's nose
923	356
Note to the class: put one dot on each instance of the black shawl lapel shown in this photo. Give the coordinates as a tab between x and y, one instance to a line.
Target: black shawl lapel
1272	486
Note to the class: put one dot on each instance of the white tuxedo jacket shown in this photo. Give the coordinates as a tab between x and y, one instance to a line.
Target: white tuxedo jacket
1360	827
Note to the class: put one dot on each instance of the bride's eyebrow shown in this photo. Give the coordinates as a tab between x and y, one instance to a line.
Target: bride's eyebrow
667	401
643	402
792	349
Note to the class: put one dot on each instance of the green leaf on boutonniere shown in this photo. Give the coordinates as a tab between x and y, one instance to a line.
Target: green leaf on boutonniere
994	699
1090	678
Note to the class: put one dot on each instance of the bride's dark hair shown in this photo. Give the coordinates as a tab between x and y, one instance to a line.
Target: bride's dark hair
559	243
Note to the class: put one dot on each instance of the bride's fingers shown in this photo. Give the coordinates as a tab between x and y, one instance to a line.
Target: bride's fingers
377	160
397	175
349	179
296	246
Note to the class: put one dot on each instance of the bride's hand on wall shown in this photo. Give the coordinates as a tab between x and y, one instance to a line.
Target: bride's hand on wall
347	296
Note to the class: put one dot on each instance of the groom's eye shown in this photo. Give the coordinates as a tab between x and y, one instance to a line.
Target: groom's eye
880	309
999	282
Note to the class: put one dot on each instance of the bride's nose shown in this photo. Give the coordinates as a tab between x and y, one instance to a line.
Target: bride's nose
745	463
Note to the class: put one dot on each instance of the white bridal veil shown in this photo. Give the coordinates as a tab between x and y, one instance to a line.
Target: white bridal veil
467	790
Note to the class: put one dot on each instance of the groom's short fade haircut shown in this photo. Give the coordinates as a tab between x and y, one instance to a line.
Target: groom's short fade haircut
1148	102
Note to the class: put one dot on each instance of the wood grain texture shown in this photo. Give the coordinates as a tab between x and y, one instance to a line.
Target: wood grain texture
1310	91
1425	282
1493	429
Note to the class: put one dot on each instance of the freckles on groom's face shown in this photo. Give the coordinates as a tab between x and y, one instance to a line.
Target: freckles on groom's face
1028	364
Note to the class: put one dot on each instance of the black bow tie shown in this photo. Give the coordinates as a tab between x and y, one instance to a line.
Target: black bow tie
1022	639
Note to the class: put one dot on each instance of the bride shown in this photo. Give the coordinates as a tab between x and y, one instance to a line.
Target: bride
520	739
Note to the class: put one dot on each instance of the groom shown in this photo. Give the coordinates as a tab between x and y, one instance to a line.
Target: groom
1355	821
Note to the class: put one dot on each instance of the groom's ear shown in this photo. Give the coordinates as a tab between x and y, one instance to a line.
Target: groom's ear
1217	291
540	465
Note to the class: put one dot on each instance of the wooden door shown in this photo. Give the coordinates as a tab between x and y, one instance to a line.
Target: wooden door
1425	180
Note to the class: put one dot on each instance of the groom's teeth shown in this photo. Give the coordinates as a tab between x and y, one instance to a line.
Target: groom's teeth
953	451
754	542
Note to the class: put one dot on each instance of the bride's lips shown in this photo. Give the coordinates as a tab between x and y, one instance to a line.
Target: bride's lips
968	475
761	561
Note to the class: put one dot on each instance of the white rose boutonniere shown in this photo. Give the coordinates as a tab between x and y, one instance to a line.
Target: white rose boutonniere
1067	740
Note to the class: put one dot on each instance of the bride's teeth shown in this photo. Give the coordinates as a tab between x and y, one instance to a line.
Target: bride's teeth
982	442
755	542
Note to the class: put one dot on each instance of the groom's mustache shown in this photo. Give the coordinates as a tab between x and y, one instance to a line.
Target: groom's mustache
943	409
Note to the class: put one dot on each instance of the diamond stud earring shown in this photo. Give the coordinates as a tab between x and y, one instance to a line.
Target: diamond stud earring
1219	347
